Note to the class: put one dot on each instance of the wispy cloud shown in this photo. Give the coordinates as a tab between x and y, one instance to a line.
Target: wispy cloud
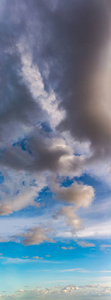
75	270
103	247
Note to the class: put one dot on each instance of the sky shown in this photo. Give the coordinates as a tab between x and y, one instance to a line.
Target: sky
55	149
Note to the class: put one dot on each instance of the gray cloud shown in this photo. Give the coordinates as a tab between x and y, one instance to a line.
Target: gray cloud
75	49
41	154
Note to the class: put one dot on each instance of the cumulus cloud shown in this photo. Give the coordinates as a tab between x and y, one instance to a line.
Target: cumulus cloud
67	248
34	236
85	244
78	194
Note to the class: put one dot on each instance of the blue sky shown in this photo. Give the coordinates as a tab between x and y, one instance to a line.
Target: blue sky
55	150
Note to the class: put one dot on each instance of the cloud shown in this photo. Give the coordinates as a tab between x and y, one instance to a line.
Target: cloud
78	194
103	247
34	236
34	81
18	191
74	270
83	85
85	244
100	229
67	248
5	260
71	218
37	257
44	154
21	201
18	111
87	229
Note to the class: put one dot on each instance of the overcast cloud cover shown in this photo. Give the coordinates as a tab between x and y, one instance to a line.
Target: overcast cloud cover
55	143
